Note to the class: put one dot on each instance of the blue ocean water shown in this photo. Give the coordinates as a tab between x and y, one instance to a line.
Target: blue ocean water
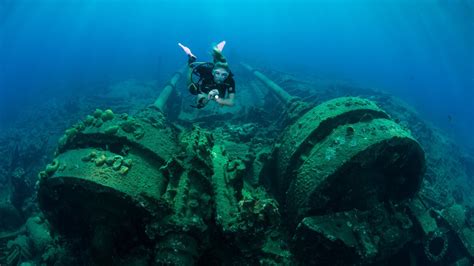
133	185
421	51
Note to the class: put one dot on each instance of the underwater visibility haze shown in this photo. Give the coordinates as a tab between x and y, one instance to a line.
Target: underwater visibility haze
349	140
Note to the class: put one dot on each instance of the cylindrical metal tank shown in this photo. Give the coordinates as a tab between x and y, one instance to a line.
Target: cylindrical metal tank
107	167
337	169
165	94
346	153
342	154
121	181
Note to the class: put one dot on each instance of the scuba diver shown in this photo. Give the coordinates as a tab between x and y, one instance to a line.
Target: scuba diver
210	81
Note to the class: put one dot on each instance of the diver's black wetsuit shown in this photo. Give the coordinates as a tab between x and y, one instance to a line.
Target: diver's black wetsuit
206	82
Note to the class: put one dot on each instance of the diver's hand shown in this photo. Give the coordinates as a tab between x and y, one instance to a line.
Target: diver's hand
213	95
201	101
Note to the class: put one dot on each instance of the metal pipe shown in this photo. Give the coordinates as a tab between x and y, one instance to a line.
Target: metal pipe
161	101
275	88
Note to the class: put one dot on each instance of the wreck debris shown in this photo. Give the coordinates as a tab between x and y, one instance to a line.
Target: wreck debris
338	186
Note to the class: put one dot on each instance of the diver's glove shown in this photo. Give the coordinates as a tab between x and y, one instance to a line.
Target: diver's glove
213	95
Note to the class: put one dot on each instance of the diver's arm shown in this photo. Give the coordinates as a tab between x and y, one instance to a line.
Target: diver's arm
226	102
